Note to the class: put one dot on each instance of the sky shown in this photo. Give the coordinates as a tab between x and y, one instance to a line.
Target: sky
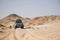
29	8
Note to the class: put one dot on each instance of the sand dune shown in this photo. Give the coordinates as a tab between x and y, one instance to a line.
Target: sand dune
50	31
41	32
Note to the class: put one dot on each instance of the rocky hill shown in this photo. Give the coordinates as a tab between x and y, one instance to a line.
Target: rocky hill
10	19
41	20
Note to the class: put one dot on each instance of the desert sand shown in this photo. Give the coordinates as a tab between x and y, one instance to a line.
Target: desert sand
47	31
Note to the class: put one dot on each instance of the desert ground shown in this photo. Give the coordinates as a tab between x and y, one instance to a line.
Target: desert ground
41	28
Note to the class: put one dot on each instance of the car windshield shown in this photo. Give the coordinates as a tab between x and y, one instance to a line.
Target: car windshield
18	21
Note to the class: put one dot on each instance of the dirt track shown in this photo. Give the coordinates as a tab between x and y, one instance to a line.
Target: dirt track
38	34
49	31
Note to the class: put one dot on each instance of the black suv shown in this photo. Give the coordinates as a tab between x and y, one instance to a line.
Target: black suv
19	24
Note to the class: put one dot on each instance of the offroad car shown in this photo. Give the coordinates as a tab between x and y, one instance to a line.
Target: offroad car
18	24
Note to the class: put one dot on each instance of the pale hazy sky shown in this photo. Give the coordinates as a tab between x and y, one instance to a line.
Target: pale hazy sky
29	8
